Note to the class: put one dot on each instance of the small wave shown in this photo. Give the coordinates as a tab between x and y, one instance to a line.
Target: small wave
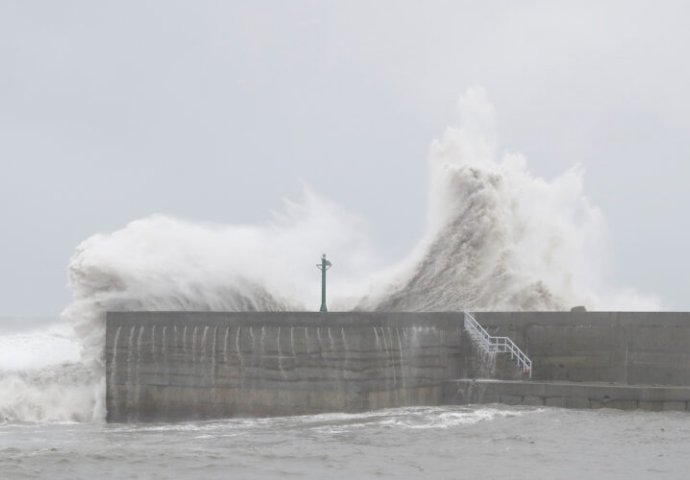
408	417
453	419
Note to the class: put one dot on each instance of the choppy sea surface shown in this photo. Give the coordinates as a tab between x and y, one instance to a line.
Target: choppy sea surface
489	441
46	433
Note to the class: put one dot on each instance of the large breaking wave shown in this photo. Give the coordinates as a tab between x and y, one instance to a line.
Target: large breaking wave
500	238
497	238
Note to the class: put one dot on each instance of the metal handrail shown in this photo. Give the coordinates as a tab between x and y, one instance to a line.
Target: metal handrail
493	345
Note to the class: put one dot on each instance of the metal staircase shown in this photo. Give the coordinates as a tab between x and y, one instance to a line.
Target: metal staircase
494	345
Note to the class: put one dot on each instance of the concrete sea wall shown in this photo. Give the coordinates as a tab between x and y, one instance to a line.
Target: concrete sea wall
181	365
163	366
630	348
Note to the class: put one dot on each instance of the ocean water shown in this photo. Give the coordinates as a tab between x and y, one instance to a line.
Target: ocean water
489	441
47	430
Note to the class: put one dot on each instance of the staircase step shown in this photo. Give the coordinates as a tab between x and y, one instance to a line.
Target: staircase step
569	394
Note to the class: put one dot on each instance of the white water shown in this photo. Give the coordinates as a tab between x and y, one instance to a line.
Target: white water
497	237
501	238
42	378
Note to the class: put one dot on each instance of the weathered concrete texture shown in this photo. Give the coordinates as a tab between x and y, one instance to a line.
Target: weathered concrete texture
621	347
568	394
182	365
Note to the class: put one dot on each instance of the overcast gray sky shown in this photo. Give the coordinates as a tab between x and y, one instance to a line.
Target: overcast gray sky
212	110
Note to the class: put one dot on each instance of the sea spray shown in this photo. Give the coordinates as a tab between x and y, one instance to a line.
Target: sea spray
500	238
163	263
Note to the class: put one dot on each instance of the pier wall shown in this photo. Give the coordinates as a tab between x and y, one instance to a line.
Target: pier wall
163	366
630	348
181	365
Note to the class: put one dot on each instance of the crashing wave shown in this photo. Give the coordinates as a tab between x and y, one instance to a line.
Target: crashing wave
470	263
57	393
498	238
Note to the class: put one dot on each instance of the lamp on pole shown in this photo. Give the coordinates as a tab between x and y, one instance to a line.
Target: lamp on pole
323	266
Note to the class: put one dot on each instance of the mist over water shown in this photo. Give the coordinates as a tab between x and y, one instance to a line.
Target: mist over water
497	238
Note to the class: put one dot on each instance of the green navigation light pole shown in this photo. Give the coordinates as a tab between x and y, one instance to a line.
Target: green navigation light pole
323	266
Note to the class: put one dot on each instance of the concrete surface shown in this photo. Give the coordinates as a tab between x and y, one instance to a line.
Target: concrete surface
633	348
181	365
163	366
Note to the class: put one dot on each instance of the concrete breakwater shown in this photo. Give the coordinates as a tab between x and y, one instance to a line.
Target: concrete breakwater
628	348
188	365
182	365
624	360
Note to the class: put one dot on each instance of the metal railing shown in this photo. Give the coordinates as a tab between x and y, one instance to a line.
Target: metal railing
493	345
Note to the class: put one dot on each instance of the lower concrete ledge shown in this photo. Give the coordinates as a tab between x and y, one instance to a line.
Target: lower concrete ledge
567	394
173	403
